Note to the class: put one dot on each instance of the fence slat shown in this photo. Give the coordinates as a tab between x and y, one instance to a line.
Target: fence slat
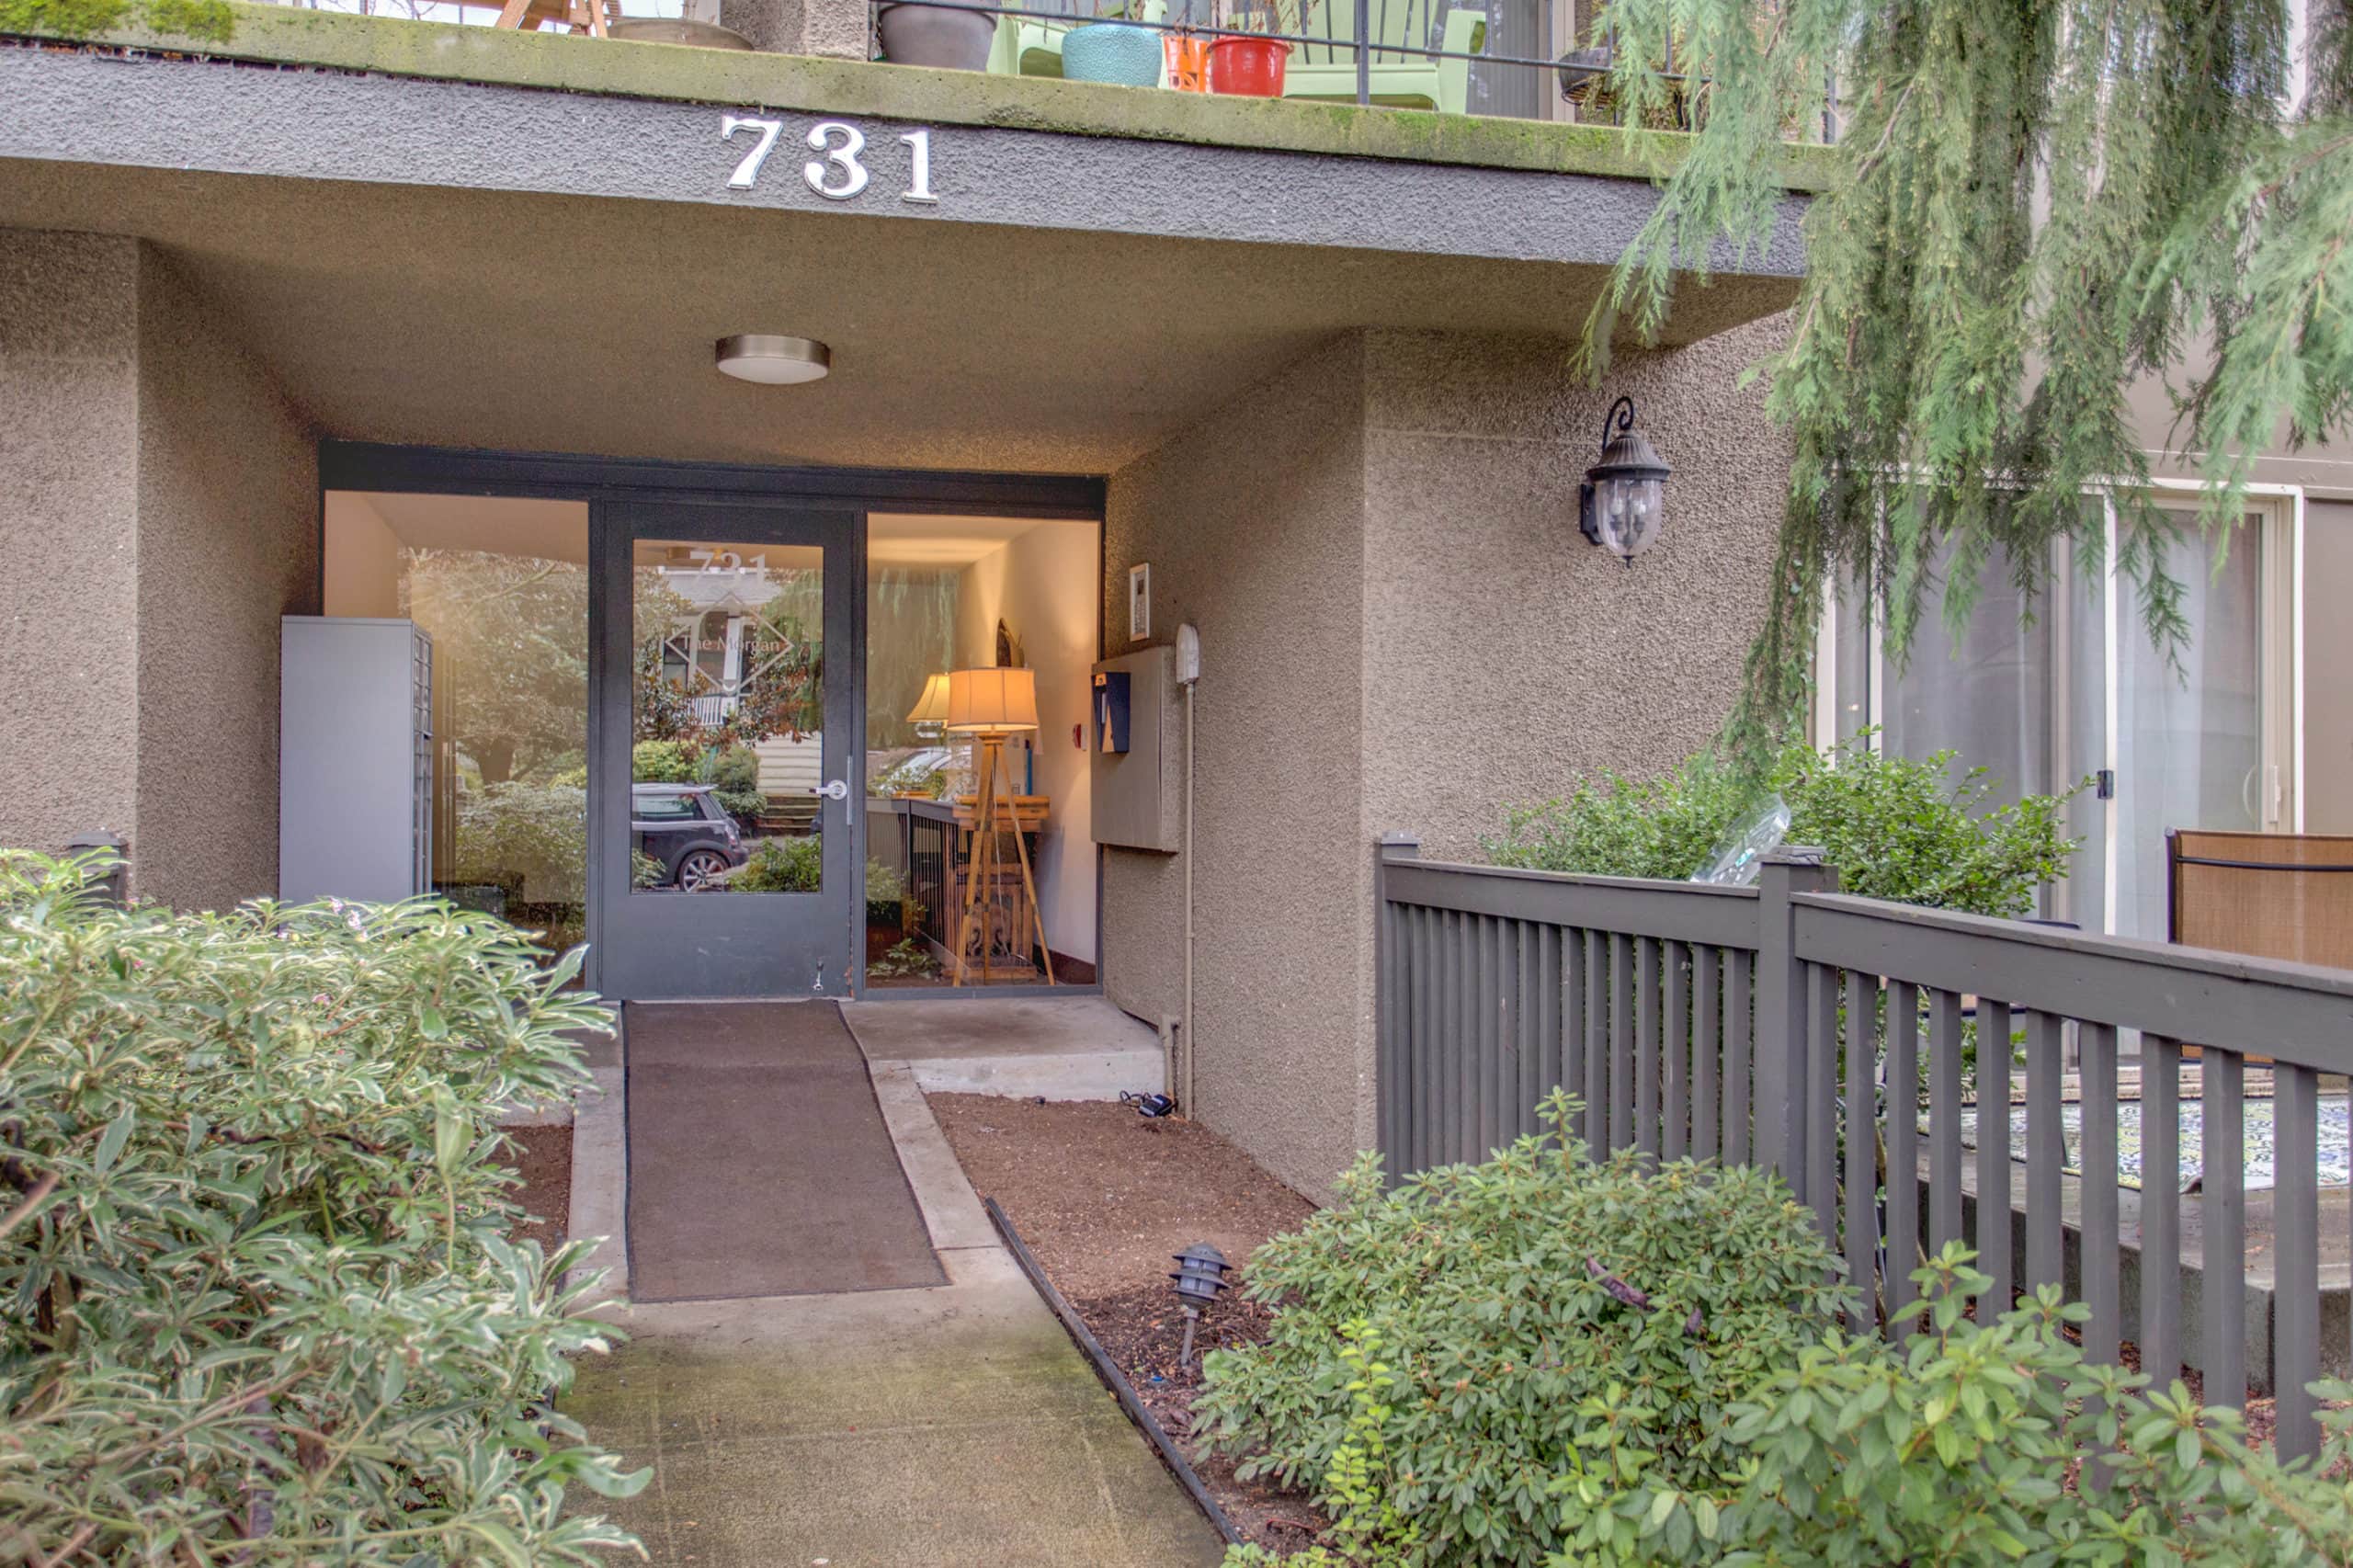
1429	1142
1862	1150
1707	1048
1646	1046
1388	982
1740	1045
1502	1073
1903	1120
1439	1099
1417	1069
1544	1059
1506	1034
2046	1152
1493	1061
1944	1120
1675	1139
1621	1043
1817	1080
1574	980
2296	1281
2160	1210
1530	1036
1597	950
2102	1283
1463	1019
2222	1208
1994	1154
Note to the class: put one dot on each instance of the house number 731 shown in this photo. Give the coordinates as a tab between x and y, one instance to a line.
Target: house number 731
838	172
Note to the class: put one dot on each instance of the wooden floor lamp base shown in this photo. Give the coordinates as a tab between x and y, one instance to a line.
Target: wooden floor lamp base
981	873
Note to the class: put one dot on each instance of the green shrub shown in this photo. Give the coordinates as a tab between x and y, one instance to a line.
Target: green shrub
781	865
665	762
532	837
1530	1307
262	1308
1913	831
734	773
1956	1449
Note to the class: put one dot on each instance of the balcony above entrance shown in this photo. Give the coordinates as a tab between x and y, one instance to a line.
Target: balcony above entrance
467	236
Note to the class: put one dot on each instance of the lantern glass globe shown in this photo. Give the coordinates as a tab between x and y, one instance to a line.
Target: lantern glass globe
1629	511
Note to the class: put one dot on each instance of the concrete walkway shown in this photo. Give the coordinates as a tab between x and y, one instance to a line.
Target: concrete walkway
929	1428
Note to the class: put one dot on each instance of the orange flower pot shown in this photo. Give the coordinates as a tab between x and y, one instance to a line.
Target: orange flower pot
1188	61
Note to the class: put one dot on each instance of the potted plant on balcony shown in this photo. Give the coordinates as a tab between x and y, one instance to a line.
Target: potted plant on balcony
937	32
1253	67
1115	49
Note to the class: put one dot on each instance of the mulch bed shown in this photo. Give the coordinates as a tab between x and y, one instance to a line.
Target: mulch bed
1105	1198
542	1157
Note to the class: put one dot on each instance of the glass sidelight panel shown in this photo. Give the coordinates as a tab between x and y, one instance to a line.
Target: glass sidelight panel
945	594
501	584
727	717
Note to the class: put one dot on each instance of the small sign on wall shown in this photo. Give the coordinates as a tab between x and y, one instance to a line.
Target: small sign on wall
1140	601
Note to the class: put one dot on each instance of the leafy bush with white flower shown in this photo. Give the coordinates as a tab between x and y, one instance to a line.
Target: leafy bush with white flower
261	1305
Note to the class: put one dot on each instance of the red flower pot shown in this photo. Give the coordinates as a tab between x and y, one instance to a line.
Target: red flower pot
1249	67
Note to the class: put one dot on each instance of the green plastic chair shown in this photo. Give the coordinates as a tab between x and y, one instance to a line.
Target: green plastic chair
1403	74
1033	46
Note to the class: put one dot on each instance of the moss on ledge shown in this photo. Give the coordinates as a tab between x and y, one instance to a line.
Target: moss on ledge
565	63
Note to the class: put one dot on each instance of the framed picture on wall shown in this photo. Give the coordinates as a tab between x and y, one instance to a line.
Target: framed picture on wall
1140	601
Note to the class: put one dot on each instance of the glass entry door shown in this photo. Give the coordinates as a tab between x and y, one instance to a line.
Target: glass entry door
725	823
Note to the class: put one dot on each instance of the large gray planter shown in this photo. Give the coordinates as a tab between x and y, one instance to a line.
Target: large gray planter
949	36
677	29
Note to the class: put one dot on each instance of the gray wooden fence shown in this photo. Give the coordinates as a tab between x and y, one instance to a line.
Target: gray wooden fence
1708	1021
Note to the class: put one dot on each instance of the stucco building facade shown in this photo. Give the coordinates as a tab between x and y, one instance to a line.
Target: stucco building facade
1309	363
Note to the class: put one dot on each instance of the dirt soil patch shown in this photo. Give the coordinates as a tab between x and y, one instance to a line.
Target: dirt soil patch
1105	1199
541	1156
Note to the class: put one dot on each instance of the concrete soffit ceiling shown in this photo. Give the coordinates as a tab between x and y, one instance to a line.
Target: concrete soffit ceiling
448	316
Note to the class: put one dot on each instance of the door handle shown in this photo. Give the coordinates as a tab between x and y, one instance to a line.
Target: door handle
838	790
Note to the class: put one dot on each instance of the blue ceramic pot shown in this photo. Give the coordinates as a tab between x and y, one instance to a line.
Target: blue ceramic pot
1113	52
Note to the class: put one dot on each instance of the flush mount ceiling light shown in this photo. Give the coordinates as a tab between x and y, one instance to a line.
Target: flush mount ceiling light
773	361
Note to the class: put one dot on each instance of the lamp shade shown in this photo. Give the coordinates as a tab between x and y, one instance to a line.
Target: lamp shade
931	708
991	702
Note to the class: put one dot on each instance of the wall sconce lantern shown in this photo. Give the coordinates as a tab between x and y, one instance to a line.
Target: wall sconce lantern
1623	500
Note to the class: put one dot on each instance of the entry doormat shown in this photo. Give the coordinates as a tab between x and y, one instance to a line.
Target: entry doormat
758	1161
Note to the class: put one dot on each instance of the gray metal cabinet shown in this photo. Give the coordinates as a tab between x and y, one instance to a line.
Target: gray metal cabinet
355	759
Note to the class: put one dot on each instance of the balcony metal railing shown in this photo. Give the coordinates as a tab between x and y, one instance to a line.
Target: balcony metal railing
1517	69
1523	63
1825	1037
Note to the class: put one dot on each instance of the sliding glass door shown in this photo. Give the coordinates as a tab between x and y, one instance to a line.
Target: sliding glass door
2198	736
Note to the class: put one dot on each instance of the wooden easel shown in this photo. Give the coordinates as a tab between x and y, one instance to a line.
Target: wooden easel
980	875
580	16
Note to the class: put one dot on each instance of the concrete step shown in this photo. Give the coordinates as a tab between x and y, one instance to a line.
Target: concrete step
1078	1048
